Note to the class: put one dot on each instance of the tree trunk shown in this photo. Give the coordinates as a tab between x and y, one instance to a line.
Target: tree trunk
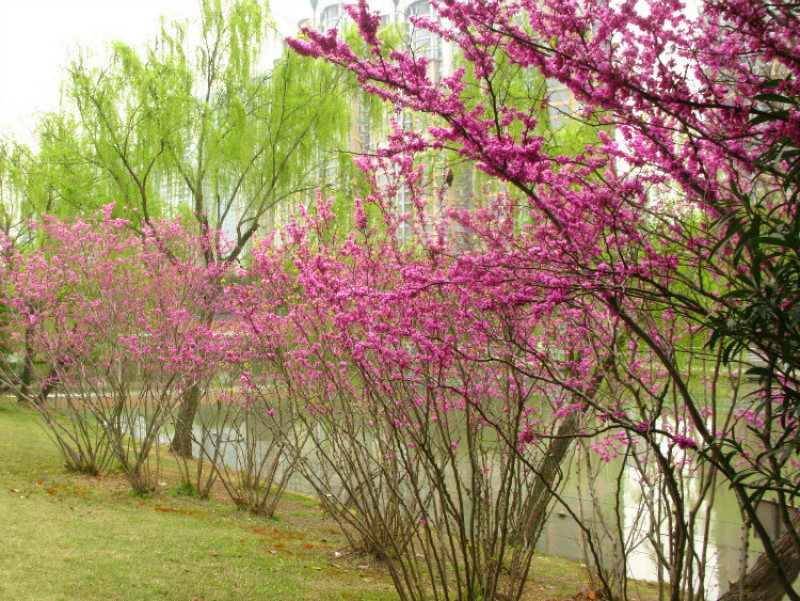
50	383
182	441
26	377
760	583
549	474
6	376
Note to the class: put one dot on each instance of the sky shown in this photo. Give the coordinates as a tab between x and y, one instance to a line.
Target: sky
37	38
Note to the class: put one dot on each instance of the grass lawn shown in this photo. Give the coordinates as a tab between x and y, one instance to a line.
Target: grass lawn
65	536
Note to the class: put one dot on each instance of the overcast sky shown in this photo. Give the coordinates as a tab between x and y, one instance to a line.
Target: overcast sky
36	37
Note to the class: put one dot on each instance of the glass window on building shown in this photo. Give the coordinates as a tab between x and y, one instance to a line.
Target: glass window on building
422	42
364	126
404	205
561	102
331	16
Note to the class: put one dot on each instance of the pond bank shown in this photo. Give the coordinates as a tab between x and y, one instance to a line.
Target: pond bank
71	537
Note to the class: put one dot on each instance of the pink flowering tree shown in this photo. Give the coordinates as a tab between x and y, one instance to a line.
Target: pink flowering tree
418	420
674	236
242	432
110	321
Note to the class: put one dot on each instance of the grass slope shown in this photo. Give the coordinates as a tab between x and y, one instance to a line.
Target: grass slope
67	537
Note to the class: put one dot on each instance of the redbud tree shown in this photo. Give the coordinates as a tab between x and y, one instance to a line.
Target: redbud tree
676	232
108	322
413	415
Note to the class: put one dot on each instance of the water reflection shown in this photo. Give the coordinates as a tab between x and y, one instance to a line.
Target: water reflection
561	536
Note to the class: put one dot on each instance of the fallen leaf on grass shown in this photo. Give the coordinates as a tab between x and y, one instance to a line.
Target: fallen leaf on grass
14	490
213	554
172	510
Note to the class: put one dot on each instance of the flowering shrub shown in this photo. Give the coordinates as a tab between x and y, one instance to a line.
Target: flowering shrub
674	233
420	420
114	319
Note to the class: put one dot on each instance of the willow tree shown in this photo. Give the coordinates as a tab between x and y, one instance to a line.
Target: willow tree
10	155
196	125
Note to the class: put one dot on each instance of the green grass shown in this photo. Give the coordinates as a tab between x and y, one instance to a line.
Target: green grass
71	537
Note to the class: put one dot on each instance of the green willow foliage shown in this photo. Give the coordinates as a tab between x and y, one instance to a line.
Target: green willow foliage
10	154
196	124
